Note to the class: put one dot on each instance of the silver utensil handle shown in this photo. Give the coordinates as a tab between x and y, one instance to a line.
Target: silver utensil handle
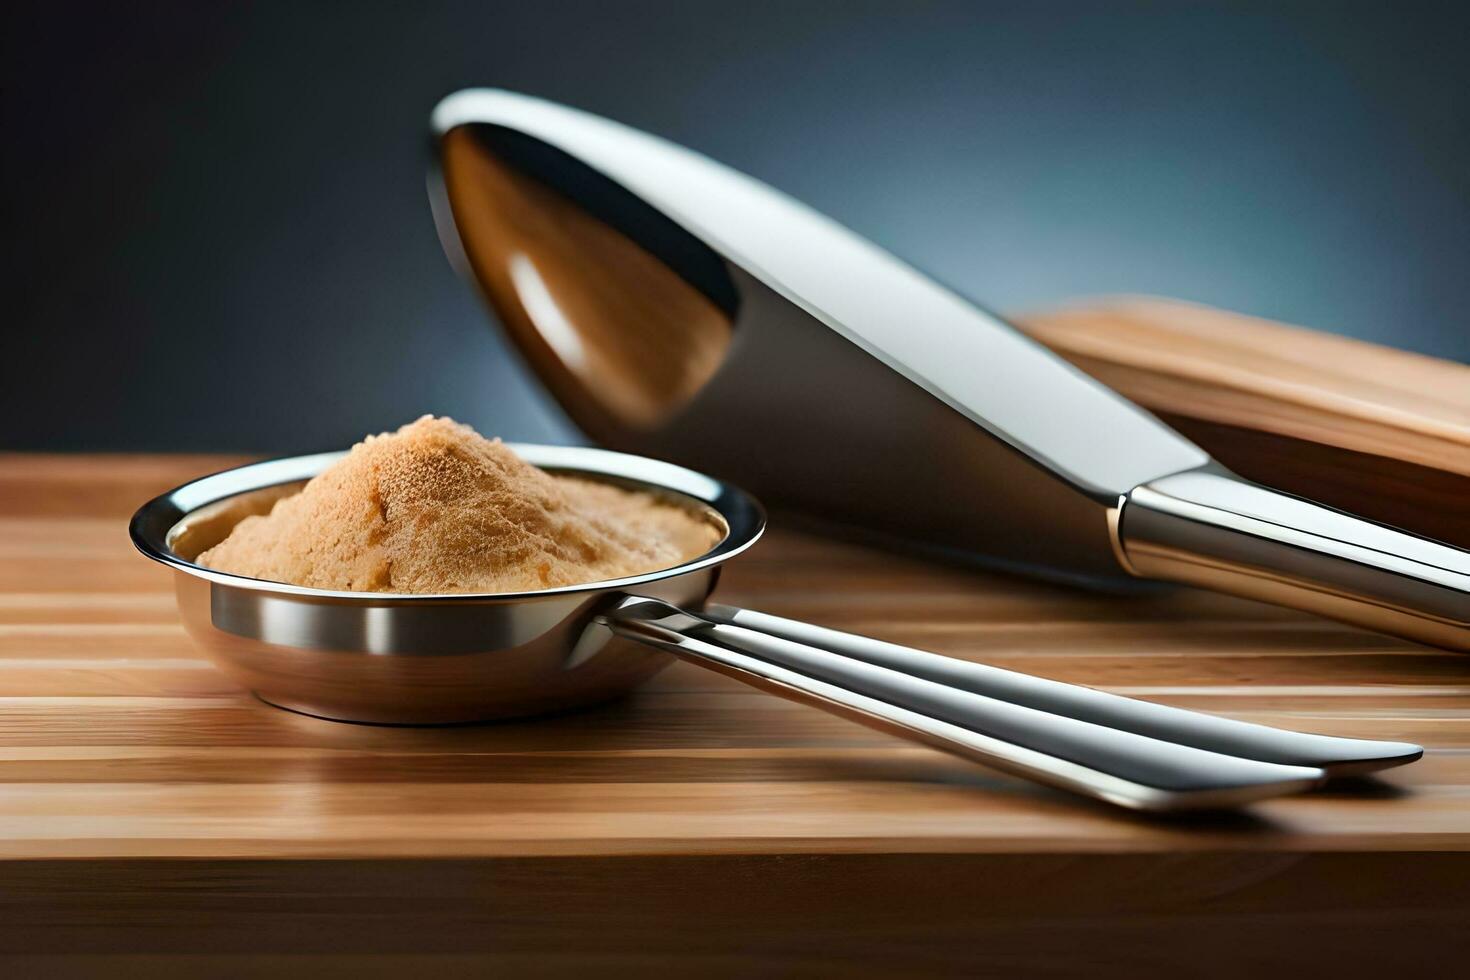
1209	527
1120	767
1339	756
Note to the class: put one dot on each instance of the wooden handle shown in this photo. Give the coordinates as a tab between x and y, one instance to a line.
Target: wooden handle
1378	432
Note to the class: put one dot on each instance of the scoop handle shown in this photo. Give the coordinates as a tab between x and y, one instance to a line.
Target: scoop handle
1211	528
1338	756
1119	767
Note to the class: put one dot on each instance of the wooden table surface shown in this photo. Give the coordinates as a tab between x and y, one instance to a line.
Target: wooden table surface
153	814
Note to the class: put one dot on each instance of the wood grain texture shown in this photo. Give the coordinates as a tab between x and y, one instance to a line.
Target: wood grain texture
154	819
1379	432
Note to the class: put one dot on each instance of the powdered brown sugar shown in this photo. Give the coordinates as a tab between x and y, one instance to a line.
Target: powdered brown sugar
437	508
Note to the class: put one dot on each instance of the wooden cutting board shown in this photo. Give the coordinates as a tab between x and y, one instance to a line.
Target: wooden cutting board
154	818
1381	433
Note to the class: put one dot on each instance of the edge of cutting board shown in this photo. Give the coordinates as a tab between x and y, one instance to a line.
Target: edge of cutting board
1376	431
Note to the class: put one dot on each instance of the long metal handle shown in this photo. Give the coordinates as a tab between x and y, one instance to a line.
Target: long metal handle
1338	756
1120	767
1209	527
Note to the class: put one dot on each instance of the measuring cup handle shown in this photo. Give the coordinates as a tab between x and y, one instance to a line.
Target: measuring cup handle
1121	767
1338	756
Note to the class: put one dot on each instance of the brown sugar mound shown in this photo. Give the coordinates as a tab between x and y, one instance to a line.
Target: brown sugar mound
437	508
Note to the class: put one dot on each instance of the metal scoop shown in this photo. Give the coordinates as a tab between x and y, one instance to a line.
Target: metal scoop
434	659
679	309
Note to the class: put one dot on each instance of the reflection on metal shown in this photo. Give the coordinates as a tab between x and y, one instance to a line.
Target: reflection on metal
549	319
609	325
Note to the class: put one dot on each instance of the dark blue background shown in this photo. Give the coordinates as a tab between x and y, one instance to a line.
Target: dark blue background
220	238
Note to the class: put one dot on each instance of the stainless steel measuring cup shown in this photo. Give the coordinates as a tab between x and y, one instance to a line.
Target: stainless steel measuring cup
434	659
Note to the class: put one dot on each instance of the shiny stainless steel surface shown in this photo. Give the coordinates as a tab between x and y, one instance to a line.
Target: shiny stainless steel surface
421	659
414	659
1210	528
1118	766
945	345
1338	756
903	410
